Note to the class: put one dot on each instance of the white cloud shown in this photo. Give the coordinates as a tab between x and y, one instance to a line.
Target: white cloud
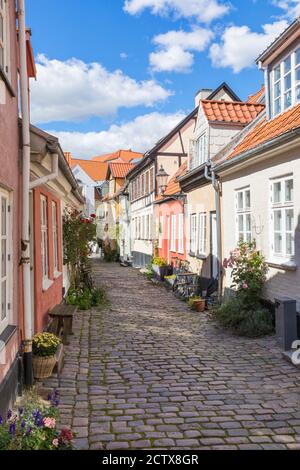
123	55
204	10
240	46
290	7
174	48
140	135
73	90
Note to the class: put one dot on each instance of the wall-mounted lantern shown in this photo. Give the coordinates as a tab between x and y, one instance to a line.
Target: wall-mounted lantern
162	179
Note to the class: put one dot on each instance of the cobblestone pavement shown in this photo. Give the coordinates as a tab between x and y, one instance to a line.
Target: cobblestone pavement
149	373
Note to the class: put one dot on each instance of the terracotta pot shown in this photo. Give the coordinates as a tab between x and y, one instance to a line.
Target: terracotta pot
199	305
43	366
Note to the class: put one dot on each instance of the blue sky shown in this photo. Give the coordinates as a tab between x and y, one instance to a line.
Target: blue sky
121	73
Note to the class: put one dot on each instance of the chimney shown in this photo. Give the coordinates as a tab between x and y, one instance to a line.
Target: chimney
202	95
68	157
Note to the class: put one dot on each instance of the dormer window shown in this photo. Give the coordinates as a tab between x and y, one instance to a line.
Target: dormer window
198	151
285	80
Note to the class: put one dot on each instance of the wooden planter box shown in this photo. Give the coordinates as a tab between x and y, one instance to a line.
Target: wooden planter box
162	271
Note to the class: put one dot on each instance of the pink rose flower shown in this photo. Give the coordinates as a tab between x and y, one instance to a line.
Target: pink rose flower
49	423
55	442
245	285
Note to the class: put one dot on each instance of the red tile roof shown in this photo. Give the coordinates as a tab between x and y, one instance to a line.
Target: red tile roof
231	111
96	170
120	169
256	96
173	186
124	155
267	130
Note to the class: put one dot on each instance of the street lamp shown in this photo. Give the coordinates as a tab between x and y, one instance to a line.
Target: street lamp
162	179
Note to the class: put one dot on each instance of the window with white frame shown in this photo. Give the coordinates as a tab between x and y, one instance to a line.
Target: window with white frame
193	233
202	234
285	82
160	231
147	227
173	232
55	237
180	233
282	218
5	256
44	238
243	215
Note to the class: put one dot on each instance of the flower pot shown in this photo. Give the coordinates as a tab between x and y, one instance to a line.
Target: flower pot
43	366
165	271
199	305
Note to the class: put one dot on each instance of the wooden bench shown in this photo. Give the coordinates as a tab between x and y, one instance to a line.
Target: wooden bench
62	320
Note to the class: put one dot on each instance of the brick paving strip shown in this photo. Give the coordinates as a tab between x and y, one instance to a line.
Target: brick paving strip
147	373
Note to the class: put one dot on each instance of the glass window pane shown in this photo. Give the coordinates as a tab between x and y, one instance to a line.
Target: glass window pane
247	199
240	200
289	244
3	258
287	99
278	243
297	54
277	192
248	222
3	301
241	236
277	73
3	216
277	221
287	64
277	89
289	220
288	82
277	106
248	238
289	190
297	75
241	223
298	93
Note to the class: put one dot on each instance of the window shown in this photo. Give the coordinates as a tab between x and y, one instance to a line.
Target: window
151	180
147	182
55	237
285	83
44	241
193	233
147	227
173	232
198	151
3	35
202	234
5	232
180	233
243	215
161	231
282	218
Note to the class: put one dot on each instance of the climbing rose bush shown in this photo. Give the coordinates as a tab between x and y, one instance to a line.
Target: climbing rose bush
244	313
249	271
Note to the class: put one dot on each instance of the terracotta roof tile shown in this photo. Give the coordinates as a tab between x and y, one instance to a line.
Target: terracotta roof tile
120	169
124	155
96	170
231	111
256	96
267	130
173	186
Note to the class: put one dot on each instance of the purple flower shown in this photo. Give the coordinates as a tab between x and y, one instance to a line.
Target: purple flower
23	424
21	411
29	430
9	414
12	429
1	420
49	397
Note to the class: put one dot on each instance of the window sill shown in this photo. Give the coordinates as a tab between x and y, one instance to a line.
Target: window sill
46	284
193	255
202	256
6	335
284	265
5	78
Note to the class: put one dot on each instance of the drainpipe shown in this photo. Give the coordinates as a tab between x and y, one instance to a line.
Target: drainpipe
25	260
216	187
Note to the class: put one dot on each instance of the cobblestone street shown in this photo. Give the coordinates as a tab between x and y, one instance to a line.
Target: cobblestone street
149	373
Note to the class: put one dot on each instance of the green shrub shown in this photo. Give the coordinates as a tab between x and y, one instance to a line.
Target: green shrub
158	261
249	320
86	298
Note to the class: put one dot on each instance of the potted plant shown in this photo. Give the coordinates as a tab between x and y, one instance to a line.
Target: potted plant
161	267
44	347
197	303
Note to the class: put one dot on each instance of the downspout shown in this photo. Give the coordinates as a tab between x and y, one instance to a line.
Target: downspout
25	260
216	187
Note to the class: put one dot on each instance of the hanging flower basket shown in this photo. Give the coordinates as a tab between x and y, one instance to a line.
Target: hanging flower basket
43	366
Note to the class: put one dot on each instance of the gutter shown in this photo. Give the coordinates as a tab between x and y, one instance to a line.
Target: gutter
25	259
